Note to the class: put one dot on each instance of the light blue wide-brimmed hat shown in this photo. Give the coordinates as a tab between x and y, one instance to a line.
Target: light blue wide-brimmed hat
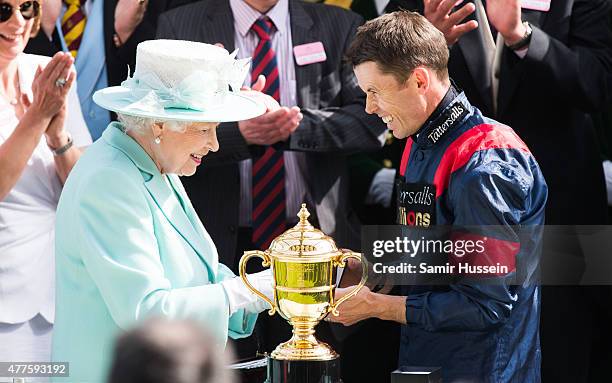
183	81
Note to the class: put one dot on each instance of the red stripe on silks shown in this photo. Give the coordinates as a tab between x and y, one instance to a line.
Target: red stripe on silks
276	95
260	162
271	218
266	201
405	156
496	252
271	173
264	62
481	137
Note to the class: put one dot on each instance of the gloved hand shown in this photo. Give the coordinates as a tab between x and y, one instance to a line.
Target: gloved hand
240	297
381	188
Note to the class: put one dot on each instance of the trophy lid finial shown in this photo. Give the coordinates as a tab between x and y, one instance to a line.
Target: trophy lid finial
303	214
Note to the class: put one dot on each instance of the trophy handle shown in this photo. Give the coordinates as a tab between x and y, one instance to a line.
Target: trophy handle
265	262
346	254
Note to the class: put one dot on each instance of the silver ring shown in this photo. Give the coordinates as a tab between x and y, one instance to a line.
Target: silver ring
60	82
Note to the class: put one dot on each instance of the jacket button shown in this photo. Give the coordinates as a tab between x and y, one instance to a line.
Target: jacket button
232	228
419	156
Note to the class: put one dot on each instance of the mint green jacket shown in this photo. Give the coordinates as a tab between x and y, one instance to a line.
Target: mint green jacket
129	245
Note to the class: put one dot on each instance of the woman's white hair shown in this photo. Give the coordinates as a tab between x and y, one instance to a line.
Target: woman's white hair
140	124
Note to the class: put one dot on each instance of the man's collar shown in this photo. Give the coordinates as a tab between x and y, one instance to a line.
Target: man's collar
245	16
450	112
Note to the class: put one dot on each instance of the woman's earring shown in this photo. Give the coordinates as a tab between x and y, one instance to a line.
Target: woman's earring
157	140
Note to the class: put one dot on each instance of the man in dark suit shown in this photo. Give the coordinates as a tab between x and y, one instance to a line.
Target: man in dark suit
109	45
540	68
334	123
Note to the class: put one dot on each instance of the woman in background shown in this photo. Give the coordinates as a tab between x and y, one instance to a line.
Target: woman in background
41	128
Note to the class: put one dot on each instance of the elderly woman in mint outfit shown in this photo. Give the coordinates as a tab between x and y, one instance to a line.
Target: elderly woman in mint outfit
129	244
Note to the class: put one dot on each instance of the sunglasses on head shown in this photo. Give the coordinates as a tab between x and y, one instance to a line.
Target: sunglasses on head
29	10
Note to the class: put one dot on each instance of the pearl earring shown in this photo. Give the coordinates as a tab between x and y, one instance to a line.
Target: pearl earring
157	140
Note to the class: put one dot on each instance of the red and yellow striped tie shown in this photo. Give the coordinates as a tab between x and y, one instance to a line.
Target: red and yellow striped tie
73	25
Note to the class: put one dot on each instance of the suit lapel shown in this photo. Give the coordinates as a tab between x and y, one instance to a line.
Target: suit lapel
512	75
479	62
306	76
219	27
91	57
478	58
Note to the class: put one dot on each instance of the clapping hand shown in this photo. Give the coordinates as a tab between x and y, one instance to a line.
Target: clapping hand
51	85
439	13
275	125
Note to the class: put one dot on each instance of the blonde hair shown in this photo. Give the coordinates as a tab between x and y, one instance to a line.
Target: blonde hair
37	19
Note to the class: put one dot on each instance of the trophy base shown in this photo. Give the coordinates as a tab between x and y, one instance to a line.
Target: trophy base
304	349
303	371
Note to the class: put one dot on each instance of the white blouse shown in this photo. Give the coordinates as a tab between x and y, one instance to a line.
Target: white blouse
27	213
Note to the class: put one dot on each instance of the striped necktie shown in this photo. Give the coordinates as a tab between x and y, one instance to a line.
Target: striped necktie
268	193
73	25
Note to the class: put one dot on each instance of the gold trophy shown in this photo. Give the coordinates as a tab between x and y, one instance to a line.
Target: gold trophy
303	261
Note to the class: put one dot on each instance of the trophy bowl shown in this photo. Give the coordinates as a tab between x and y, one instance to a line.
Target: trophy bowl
304	262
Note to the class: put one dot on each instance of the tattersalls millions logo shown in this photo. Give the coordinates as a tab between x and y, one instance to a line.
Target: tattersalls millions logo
416	205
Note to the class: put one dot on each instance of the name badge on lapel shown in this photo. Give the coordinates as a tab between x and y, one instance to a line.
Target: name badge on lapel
309	53
536	5
416	204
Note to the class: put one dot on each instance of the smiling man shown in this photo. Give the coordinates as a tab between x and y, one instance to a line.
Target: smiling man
468	171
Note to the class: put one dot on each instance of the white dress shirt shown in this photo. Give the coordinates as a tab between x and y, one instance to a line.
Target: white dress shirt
246	41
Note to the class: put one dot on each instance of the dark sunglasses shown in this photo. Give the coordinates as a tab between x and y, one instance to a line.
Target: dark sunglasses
29	9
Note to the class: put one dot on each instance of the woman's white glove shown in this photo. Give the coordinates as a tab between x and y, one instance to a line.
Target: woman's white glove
240	297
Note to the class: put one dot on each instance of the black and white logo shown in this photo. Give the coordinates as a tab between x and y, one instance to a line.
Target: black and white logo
452	115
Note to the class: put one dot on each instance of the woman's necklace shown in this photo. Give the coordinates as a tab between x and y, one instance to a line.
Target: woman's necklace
13	100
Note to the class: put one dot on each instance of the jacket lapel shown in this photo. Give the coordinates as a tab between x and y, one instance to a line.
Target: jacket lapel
91	57
512	75
479	60
219	27
306	76
164	195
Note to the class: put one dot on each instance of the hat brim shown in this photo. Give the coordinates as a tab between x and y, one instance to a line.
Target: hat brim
236	107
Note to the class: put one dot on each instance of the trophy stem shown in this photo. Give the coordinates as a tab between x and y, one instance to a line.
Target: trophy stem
303	334
303	345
